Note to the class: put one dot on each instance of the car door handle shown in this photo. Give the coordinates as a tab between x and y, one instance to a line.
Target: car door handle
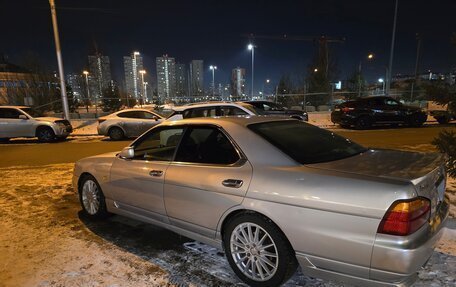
235	183
156	173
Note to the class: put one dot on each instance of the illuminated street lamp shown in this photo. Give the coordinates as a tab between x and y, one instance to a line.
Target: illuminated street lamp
369	57
213	68
86	74
251	47
315	70
142	72
383	84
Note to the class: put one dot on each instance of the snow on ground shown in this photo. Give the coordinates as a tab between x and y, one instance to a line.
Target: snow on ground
46	241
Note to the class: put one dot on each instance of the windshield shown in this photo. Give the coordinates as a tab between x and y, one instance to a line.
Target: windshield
34	113
306	143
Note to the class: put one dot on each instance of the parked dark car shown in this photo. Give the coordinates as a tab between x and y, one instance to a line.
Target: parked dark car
364	113
270	108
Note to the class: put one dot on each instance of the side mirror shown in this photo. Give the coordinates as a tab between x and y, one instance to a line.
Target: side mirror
156	118
127	153
23	117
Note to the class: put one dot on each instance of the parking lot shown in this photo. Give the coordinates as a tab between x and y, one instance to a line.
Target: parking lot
46	241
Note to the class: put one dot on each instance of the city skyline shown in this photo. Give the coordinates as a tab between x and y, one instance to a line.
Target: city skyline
211	32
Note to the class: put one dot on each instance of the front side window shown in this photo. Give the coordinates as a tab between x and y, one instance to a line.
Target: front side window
306	143
391	102
207	145
158	144
149	116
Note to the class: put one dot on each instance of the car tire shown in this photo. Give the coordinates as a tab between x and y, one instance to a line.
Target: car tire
45	134
363	123
415	121
265	258
116	133
443	120
91	198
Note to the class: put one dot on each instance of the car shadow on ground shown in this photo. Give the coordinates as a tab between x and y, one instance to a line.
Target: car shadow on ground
184	259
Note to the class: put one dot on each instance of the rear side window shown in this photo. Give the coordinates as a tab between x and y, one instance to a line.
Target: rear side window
200	113
9	114
206	145
305	143
231	111
131	115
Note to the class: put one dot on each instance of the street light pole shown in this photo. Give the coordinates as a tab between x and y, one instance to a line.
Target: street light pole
142	72
390	66
252	48
66	110
86	74
213	68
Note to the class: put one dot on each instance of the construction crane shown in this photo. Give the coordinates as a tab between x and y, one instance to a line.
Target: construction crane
322	41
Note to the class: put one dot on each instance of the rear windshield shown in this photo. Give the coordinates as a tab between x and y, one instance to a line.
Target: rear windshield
306	143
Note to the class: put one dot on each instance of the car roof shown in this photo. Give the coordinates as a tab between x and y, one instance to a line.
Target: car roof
15	107
206	104
133	110
239	120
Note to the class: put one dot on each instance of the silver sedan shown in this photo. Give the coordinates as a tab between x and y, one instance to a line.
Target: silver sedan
277	194
127	123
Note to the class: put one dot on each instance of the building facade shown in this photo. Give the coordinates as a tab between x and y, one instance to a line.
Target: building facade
76	82
238	83
181	81
132	65
100	75
196	78
166	78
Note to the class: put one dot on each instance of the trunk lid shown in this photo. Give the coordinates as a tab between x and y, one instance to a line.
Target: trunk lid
424	170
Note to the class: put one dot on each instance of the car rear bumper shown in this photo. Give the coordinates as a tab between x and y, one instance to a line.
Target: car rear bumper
342	118
395	260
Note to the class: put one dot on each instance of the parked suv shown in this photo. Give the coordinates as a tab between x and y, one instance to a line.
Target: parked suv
213	109
363	113
273	109
20	121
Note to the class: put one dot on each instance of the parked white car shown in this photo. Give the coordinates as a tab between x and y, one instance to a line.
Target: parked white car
19	121
127	123
213	109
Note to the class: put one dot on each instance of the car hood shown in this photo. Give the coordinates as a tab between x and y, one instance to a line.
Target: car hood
390	164
48	119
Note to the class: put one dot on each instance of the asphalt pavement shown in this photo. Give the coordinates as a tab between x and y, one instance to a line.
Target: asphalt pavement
20	152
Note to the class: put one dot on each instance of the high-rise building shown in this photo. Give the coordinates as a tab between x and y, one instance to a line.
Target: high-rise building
196	78
238	83
166	78
76	82
181	81
132	65
100	74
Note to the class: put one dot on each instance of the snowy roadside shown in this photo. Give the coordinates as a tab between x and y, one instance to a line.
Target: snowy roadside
45	241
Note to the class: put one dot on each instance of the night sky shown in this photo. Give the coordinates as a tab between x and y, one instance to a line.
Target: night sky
210	30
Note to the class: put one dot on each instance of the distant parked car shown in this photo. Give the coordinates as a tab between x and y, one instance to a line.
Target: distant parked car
274	109
276	193
213	109
364	113
127	123
21	121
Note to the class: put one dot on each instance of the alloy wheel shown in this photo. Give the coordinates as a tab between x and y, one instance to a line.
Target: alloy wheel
254	251
90	197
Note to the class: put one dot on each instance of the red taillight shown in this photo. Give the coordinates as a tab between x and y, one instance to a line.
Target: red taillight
346	109
405	216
